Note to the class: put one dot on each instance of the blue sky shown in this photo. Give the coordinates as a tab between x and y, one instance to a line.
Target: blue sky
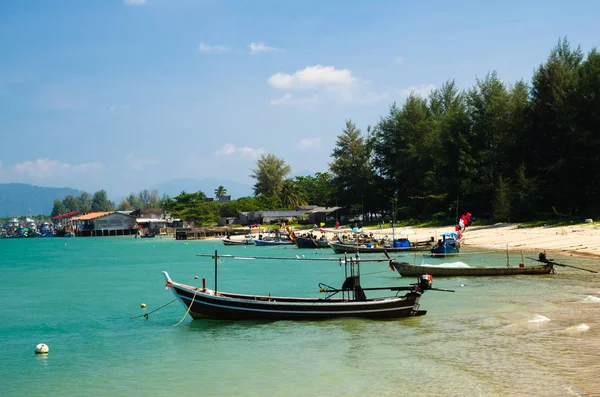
124	94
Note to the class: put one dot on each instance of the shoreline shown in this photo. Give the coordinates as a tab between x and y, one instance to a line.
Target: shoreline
580	240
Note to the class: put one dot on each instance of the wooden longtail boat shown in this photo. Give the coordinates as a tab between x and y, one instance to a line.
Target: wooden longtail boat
204	303
340	248
408	270
276	241
309	241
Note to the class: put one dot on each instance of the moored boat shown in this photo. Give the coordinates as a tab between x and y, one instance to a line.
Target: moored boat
248	240
204	303
448	245
269	241
408	270
309	240
401	246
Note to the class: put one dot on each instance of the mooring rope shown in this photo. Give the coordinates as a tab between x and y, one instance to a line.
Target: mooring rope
188	310
155	310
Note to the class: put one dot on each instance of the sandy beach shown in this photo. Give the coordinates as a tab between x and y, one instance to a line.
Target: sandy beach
576	240
582	240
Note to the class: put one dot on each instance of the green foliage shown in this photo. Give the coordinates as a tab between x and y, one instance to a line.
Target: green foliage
70	203
317	189
351	169
125	206
58	208
290	194
220	191
501	208
100	202
269	175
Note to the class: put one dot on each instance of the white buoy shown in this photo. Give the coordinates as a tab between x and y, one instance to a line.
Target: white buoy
196	277
42	348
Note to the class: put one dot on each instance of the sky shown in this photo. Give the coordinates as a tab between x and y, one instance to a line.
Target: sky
124	94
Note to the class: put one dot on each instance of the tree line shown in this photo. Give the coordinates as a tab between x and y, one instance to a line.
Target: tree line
506	152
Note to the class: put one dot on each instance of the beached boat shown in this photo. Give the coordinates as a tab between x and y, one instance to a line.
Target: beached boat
204	303
448	245
408	270
402	245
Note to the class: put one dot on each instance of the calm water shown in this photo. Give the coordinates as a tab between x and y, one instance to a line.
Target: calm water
525	335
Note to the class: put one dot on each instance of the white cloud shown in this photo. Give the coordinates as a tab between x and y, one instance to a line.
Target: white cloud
399	60
139	163
312	77
421	90
203	47
327	83
135	2
259	47
247	152
309	143
47	168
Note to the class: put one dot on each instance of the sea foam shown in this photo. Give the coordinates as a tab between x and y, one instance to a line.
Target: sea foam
578	328
591	298
539	319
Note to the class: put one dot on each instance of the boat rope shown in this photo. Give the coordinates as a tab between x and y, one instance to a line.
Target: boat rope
155	310
188	309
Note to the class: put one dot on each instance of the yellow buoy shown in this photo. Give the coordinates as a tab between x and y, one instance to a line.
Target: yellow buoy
143	305
42	348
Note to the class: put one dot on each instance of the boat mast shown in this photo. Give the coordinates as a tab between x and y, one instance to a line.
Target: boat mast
216	261
394	220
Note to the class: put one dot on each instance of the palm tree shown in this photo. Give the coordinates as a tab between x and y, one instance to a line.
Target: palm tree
290	194
220	191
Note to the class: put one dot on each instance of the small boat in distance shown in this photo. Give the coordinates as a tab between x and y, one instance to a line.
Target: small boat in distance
248	240
275	239
148	234
202	303
448	245
309	240
401	245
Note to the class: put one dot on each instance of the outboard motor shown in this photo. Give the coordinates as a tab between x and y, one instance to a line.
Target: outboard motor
425	281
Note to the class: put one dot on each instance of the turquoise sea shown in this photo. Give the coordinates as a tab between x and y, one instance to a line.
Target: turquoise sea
514	336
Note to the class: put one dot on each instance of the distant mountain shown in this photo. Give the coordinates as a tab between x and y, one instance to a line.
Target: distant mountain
173	187
18	199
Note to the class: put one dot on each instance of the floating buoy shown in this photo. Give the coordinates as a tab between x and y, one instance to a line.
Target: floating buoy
196	277
143	305
42	348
